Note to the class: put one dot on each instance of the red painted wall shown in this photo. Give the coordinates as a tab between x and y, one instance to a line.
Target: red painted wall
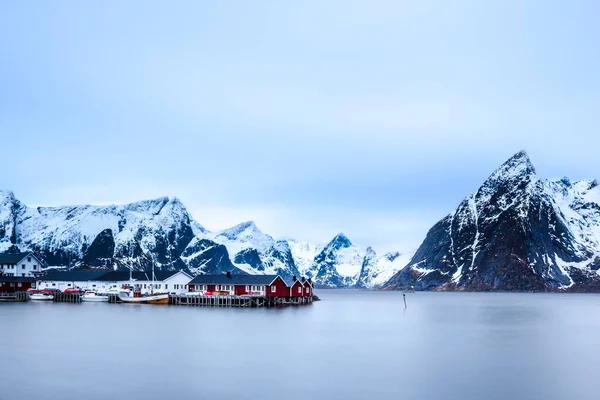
307	289
294	289
241	290
281	289
6	287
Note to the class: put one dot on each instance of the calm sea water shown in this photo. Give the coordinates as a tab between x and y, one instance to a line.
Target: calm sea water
351	345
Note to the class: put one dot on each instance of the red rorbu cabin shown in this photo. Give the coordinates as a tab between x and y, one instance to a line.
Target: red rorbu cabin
296	288
308	288
241	285
11	284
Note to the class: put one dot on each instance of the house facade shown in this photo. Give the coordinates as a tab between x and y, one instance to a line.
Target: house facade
11	284
175	282
19	264
240	285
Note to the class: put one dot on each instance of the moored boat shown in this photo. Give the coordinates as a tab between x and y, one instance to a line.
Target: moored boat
153	298
92	296
134	295
39	295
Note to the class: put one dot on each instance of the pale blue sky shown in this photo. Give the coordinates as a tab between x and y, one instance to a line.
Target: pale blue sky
370	117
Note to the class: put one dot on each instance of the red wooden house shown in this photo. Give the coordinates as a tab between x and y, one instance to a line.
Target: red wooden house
241	285
308	287
11	284
296	288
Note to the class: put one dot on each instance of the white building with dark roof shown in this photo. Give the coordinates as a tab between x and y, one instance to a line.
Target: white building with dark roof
19	264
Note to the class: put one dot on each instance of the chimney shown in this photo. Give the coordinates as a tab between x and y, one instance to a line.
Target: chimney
303	279
228	274
294	278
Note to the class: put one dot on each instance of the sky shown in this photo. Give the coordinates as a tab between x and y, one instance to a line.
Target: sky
373	118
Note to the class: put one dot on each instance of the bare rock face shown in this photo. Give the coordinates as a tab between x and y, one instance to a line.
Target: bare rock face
516	233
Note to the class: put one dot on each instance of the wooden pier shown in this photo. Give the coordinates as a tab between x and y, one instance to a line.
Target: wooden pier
60	297
182	300
13	296
236	301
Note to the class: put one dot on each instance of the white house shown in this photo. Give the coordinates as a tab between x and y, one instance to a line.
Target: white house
62	280
175	282
19	264
102	281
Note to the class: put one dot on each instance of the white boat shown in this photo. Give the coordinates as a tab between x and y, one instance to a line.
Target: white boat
41	296
135	295
93	296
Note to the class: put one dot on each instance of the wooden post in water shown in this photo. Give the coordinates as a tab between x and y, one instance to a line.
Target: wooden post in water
404	297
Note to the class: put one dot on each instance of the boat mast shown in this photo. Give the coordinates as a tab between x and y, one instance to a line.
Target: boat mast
152	287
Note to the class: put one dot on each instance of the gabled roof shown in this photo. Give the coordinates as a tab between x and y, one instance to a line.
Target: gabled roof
13	258
24	279
223	279
73	276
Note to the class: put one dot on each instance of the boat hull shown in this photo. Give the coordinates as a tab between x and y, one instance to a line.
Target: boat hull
41	297
151	299
94	299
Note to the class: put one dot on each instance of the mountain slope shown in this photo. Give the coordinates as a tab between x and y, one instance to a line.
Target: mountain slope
162	233
516	233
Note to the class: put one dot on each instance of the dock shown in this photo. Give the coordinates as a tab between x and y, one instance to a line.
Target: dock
236	301
13	296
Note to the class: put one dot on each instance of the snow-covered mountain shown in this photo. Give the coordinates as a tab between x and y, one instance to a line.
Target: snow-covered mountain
163	233
516	233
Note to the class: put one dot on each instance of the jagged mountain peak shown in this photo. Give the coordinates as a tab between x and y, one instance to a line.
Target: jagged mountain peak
245	228
340	241
5	193
517	232
515	169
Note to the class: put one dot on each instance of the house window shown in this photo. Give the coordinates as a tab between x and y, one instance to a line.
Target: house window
54	284
273	288
35	267
93	285
166	285
22	266
22	274
28	259
19	284
300	290
247	288
69	284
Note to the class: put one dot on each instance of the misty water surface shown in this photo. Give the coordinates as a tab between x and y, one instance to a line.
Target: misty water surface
351	345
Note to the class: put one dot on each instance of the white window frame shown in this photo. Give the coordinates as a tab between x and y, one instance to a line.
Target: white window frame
300	290
273	288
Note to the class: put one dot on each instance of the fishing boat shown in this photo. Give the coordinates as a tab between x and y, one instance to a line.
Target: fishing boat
92	296
135	295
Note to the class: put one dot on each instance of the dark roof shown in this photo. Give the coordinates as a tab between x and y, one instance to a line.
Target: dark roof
12	258
118	276
77	275
4	278
104	275
223	279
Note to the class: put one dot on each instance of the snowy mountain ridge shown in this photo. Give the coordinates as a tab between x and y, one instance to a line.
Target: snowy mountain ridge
516	232
163	233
